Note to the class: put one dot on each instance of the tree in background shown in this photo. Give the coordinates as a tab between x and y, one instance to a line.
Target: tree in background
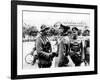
29	30
32	31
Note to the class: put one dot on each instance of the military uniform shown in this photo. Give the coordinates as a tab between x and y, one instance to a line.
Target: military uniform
62	59
76	51
87	49
43	48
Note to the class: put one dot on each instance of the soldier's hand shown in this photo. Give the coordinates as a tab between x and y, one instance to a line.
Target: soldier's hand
55	54
50	55
82	60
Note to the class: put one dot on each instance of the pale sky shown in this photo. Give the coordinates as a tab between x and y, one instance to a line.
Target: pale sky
49	18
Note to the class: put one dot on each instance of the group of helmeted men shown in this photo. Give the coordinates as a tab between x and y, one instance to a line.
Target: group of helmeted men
69	43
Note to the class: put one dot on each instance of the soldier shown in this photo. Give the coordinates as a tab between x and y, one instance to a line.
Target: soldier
43	48
62	59
76	48
87	47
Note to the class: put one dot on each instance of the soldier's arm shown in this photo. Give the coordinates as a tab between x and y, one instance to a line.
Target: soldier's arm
67	46
82	50
50	48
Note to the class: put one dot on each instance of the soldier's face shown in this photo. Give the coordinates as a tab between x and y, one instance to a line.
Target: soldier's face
46	32
69	34
61	30
87	33
75	32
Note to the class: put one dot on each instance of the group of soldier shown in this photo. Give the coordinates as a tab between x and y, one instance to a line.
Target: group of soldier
70	43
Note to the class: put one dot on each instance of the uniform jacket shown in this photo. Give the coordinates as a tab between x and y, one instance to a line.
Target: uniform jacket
43	48
63	43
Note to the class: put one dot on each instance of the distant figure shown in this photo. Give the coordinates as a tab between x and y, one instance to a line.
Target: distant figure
87	47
